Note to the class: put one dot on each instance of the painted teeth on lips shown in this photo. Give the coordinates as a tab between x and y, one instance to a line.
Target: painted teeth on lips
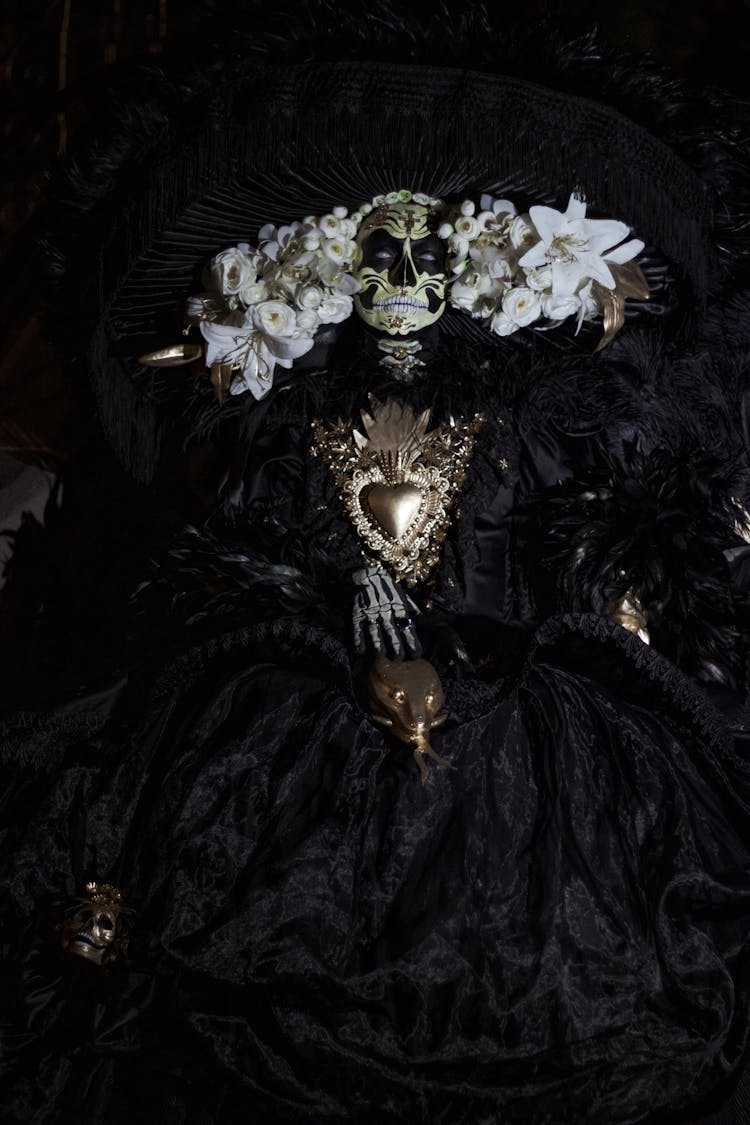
399	304
84	939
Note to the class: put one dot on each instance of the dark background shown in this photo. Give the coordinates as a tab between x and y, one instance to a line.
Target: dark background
49	45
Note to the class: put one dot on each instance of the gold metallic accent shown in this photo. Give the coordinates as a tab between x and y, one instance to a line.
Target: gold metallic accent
629	613
221	377
630	281
394	506
406	696
176	355
400	357
399	481
742	522
402	220
95	929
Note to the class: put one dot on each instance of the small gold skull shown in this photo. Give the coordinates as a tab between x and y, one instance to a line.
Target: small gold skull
95	929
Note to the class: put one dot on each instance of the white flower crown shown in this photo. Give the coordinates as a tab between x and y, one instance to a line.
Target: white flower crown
264	305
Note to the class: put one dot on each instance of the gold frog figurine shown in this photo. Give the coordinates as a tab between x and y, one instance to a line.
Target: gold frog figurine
406	696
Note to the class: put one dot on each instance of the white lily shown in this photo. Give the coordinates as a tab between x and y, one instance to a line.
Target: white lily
578	249
269	337
275	242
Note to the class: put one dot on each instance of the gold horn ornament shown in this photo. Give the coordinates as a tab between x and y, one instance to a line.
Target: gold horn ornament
176	355
630	281
406	696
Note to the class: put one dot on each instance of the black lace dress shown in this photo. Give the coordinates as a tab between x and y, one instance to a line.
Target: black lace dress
556	931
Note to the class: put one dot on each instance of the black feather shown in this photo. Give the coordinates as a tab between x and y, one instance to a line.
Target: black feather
659	523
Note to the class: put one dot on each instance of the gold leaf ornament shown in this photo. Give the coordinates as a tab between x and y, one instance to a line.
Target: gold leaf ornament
630	281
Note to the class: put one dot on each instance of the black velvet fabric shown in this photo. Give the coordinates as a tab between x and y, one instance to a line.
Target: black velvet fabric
556	931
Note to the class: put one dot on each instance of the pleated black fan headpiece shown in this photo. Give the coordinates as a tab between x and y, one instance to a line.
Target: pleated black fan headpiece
200	151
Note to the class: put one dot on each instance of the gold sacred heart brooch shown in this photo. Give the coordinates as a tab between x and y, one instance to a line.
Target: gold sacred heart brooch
399	481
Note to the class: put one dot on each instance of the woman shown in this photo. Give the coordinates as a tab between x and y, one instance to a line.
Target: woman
348	899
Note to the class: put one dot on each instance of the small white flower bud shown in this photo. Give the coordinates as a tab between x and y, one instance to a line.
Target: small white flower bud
467	227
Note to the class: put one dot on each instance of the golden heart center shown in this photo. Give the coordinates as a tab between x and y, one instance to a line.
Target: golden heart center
394	506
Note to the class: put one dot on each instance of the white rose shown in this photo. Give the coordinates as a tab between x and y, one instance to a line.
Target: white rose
307	321
330	225
539	279
474	292
422	199
254	293
308	297
311	241
334	308
339	250
459	245
502	325
559	308
339	212
366	208
231	270
445	230
467	207
522	306
348	228
467	227
274	319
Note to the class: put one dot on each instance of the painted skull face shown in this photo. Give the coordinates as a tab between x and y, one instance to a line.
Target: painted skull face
401	270
94	930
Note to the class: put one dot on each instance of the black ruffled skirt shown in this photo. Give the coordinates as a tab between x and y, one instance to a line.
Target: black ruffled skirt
556	931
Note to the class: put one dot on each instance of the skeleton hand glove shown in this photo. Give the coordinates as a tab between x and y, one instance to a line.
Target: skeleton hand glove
383	616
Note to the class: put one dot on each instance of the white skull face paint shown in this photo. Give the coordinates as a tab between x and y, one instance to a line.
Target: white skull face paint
401	270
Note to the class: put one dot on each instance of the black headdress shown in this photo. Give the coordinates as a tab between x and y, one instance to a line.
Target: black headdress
321	106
